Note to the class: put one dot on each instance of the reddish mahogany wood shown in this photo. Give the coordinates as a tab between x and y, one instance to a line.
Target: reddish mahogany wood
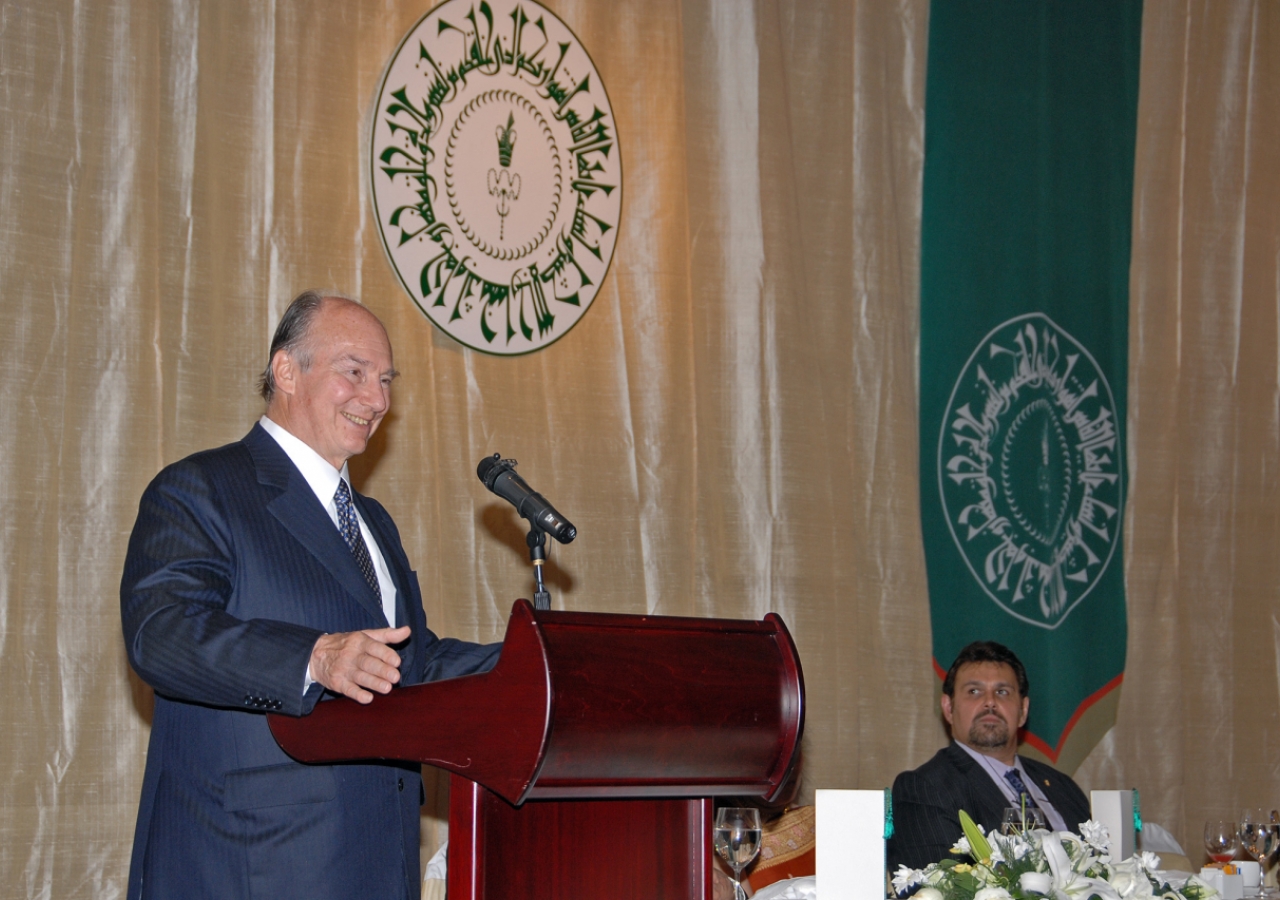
490	728
557	849
585	705
615	729
666	706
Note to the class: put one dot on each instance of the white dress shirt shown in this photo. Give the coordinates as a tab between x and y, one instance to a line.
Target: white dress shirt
323	479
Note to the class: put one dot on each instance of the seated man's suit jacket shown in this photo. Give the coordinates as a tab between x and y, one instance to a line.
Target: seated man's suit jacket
927	803
234	570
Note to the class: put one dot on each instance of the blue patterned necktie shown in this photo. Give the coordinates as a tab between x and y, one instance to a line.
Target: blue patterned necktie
349	525
1020	787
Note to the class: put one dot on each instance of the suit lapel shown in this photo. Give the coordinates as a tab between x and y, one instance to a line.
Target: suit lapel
388	544
988	798
1053	784
298	510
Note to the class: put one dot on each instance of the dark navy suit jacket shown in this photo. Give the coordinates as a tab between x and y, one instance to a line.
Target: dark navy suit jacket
927	803
234	570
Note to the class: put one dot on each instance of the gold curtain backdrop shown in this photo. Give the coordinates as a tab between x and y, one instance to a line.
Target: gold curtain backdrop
732	425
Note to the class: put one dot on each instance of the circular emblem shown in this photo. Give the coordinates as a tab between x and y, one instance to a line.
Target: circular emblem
1028	469
497	182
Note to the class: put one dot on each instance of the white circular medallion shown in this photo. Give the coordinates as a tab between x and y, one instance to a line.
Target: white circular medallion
497	181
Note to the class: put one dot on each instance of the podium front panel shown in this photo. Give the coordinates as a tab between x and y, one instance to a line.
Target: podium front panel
640	849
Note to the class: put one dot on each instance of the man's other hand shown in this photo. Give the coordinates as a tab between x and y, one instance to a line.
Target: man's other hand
352	663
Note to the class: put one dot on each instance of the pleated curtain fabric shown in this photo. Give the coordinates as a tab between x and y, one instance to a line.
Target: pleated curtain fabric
734	426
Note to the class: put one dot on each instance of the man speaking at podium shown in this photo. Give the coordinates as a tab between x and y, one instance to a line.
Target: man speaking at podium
257	580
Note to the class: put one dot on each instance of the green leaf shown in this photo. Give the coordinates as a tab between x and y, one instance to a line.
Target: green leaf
977	843
968	883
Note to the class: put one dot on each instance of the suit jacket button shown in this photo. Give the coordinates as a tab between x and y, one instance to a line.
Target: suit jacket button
400	784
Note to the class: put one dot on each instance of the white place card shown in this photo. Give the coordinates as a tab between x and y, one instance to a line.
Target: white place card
850	844
1115	810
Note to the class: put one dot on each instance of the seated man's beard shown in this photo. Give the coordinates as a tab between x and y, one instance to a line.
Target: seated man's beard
988	734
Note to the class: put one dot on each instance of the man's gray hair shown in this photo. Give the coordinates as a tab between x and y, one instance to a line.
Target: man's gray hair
292	335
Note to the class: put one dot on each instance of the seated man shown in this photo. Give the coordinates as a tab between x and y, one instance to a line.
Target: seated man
984	701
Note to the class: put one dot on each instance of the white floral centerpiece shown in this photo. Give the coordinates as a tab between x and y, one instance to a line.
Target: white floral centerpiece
1037	864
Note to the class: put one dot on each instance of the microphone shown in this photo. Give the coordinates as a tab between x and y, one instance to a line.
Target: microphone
499	475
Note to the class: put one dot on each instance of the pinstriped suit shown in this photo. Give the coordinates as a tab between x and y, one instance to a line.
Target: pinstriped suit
927	803
234	570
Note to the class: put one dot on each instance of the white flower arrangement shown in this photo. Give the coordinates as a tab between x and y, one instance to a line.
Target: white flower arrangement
1031	865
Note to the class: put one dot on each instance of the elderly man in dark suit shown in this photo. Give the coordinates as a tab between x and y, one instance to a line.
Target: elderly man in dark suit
984	701
256	580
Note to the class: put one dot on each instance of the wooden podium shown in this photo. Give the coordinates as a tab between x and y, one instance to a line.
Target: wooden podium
584	762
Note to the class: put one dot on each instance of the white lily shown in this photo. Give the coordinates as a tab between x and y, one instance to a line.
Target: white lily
905	878
1148	860
1096	835
1130	881
1014	846
1069	884
1036	882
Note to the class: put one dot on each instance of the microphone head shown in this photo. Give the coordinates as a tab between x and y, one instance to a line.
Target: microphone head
499	475
491	467
486	464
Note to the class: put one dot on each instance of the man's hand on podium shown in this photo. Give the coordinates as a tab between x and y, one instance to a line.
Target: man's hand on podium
351	661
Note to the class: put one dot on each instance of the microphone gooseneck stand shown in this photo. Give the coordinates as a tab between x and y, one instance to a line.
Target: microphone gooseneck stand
537	541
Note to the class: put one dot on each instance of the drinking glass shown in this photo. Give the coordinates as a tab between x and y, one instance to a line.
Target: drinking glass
1260	836
1221	840
1018	820
737	839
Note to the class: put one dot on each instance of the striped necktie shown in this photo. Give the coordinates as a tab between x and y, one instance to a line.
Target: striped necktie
349	525
1020	787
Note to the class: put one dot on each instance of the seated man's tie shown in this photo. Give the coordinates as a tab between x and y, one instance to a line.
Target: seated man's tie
1020	787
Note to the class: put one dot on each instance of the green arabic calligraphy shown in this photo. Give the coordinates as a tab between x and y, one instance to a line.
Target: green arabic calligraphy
449	281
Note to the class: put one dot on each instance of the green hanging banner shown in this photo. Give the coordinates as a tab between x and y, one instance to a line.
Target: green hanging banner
1030	122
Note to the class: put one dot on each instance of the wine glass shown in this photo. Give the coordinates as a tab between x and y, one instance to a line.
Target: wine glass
1221	840
737	839
1019	820
1260	836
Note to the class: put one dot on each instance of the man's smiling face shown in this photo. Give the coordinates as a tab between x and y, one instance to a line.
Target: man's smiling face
335	404
987	709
